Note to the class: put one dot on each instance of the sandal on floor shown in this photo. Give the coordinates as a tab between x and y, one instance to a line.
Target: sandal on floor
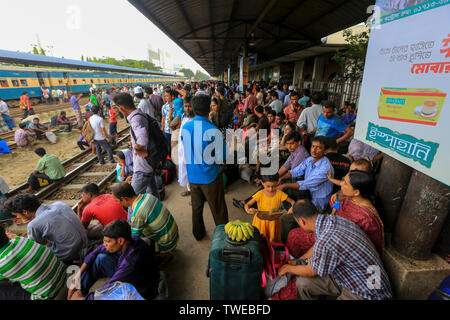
185	194
238	204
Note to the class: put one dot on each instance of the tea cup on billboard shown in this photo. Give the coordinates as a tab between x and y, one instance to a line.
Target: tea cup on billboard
429	107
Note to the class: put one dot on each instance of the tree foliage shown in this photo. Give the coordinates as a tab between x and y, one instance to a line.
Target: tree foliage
200	76
37	50
188	73
353	58
129	63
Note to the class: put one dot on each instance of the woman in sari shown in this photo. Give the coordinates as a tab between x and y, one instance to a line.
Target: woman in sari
356	187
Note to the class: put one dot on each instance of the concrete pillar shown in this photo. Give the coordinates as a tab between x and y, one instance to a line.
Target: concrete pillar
319	68
390	190
424	209
241	74
298	72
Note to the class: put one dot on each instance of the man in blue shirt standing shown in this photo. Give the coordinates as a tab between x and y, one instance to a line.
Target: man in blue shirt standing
330	126
203	169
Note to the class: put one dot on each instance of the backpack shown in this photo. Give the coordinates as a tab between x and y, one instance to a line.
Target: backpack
169	171
160	186
275	255
157	146
87	131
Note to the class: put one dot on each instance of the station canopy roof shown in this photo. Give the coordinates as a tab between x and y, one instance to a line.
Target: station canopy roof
213	31
35	59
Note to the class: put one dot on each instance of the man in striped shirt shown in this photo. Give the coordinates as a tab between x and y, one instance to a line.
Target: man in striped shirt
36	271
343	263
149	218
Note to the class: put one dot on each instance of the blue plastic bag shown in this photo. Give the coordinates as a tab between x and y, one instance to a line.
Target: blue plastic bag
4	147
118	291
443	292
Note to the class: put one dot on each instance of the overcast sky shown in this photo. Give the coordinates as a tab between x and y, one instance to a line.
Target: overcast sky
97	28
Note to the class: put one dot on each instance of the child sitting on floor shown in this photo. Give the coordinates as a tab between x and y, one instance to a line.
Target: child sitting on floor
268	199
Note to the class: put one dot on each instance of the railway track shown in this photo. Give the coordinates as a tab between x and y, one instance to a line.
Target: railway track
69	189
76	166
9	136
15	112
84	169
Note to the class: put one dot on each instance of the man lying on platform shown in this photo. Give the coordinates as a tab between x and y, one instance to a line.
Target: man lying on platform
122	257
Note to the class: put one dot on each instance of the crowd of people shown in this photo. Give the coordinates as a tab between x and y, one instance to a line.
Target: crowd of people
324	183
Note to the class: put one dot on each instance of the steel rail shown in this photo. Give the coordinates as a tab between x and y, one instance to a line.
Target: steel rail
68	162
101	185
49	190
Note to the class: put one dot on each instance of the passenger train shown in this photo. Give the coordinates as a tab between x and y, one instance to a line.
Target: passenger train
15	80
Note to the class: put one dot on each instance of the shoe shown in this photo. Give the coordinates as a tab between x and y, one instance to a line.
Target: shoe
238	204
185	194
165	261
102	163
200	238
113	162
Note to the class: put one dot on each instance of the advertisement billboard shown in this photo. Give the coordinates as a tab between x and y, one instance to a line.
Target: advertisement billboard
405	104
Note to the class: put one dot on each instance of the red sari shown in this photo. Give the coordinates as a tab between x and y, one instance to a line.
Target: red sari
299	241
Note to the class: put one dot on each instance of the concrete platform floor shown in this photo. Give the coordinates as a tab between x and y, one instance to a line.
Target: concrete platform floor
186	274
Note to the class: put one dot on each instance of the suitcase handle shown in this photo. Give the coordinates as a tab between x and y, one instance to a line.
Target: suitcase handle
233	254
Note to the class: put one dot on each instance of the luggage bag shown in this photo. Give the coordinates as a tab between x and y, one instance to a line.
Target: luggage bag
234	268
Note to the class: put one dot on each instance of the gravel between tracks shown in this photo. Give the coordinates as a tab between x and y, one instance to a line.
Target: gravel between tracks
105	168
86	180
66	195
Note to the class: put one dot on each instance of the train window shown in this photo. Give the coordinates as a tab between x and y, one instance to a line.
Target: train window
92	81
4	84
15	83
84	81
60	82
74	81
104	80
24	83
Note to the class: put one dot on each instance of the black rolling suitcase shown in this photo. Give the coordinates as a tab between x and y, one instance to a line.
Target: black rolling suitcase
234	269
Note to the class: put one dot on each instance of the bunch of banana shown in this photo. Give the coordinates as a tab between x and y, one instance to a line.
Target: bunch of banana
239	231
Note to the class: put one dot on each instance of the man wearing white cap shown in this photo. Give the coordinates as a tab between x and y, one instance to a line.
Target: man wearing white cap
144	104
287	98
